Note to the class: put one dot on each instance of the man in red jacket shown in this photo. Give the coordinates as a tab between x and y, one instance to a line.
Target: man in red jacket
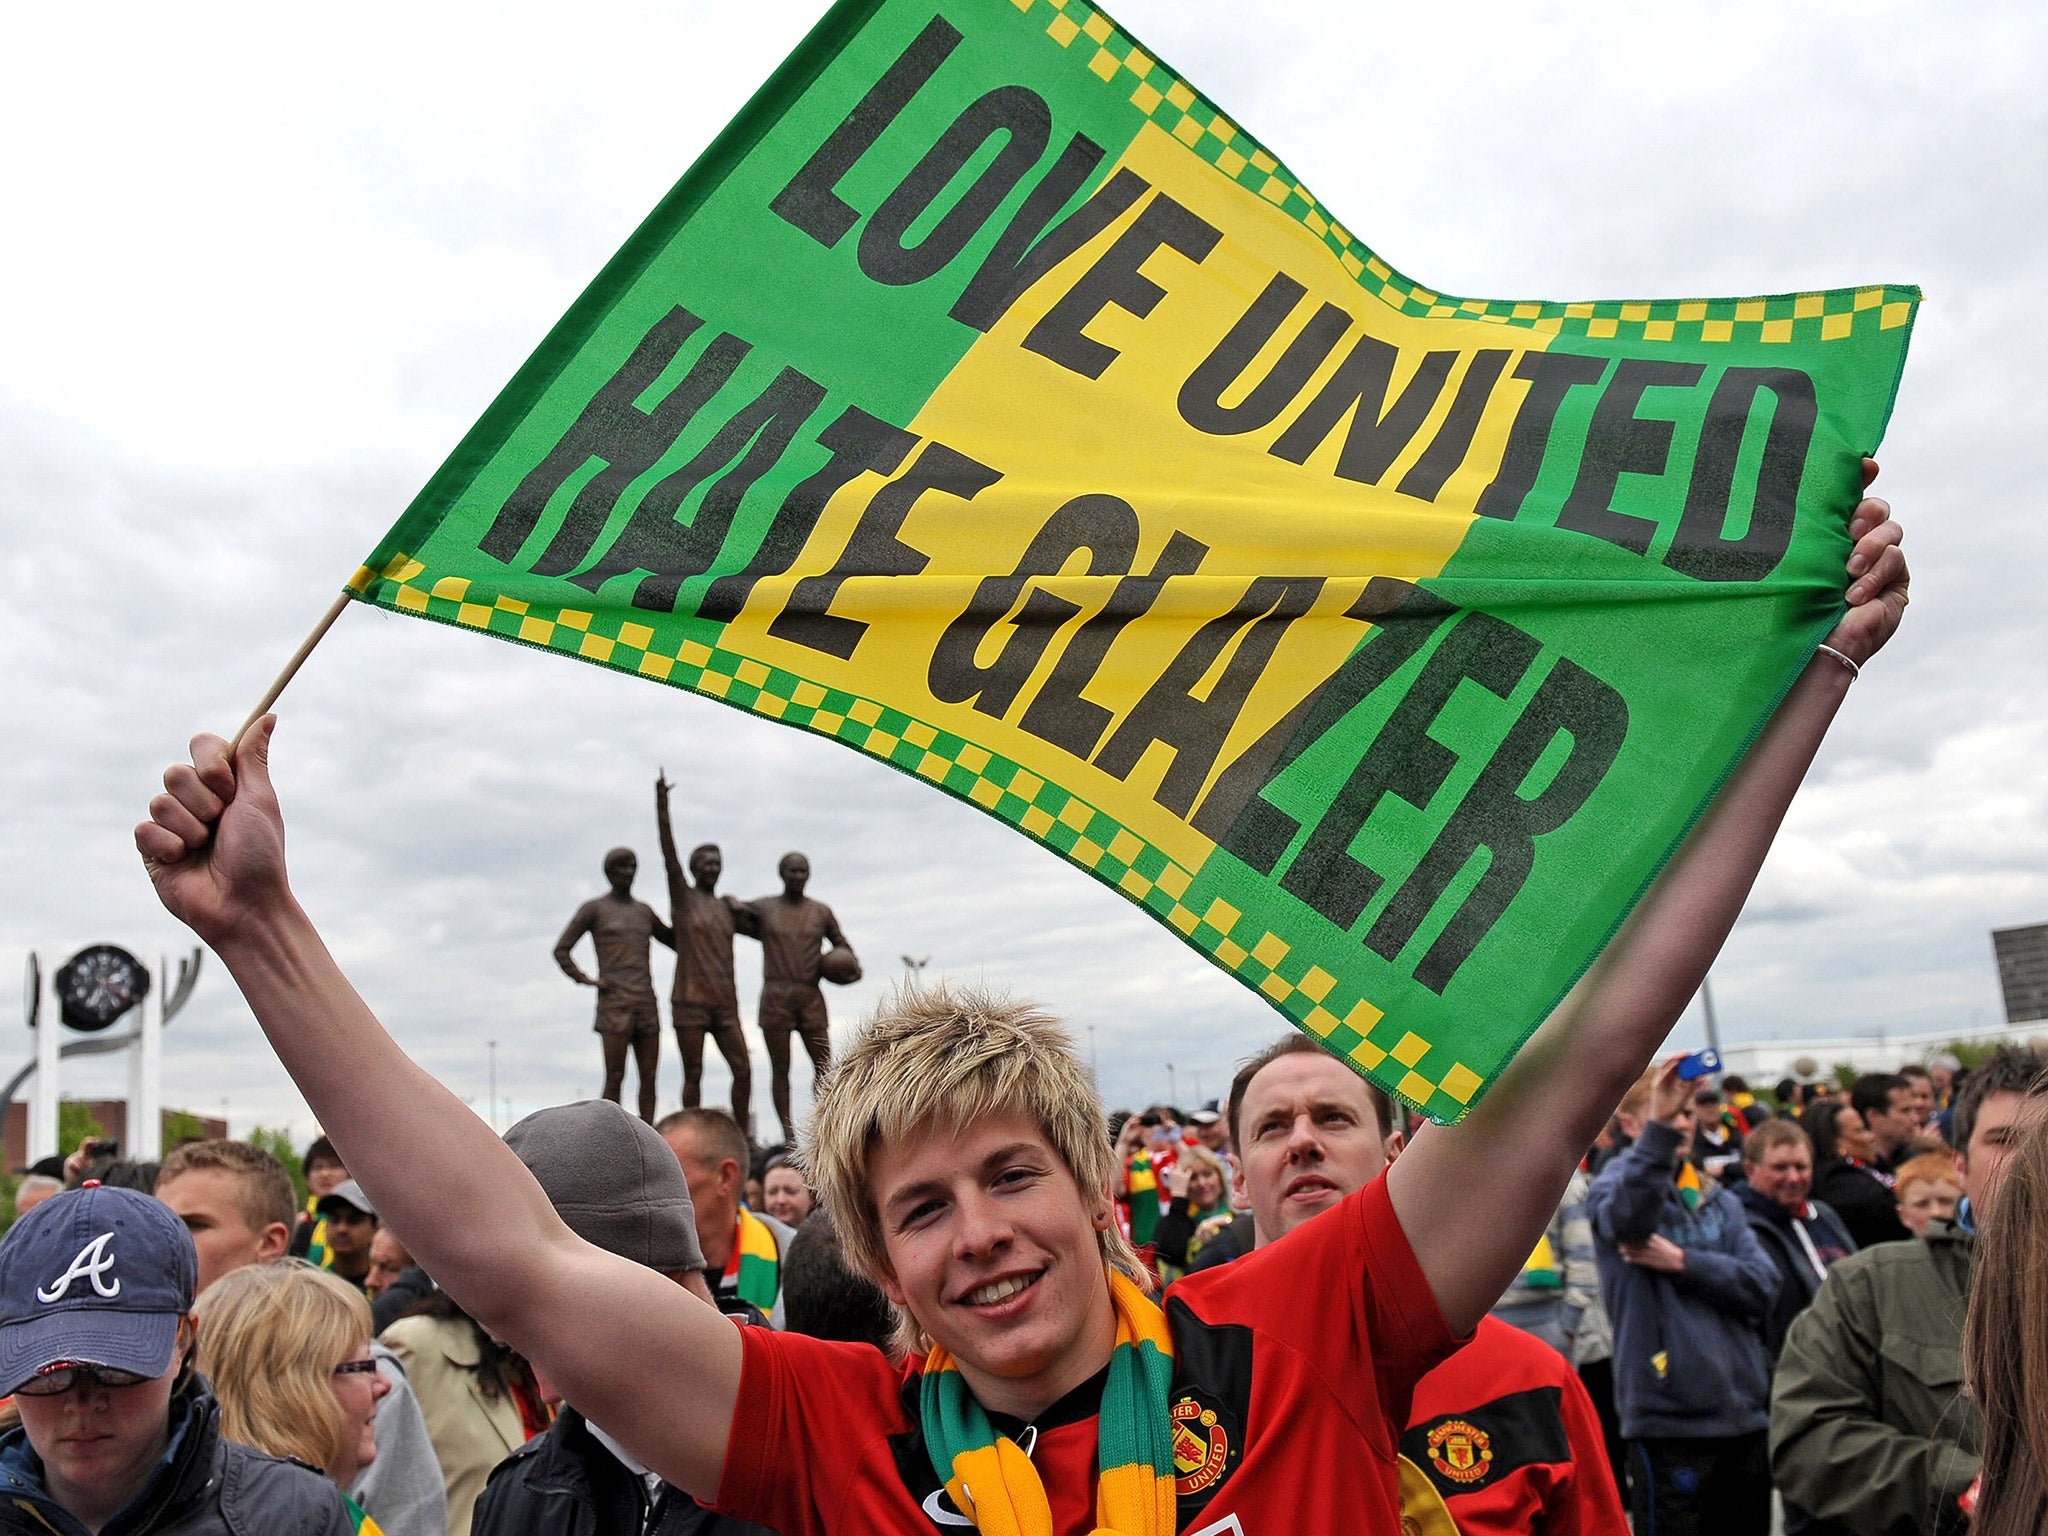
1503	1427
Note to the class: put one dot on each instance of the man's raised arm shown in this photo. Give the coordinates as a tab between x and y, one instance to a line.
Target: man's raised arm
214	847
1472	1199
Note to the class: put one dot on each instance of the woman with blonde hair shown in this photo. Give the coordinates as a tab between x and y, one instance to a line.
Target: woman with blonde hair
2005	1344
287	1348
1200	1189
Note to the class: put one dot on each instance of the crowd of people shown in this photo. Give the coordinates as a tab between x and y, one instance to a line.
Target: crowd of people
308	1334
952	1316
1695	1252
1692	1327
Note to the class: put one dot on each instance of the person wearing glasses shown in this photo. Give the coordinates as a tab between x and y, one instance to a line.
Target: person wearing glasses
287	1348
119	1431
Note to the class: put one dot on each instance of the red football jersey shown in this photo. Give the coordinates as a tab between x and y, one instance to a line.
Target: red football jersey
1293	1370
1505	1430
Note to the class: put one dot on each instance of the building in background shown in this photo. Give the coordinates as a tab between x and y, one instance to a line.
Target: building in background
2022	955
112	1116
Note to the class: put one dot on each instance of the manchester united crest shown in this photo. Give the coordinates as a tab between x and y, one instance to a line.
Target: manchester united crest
1201	1447
1460	1451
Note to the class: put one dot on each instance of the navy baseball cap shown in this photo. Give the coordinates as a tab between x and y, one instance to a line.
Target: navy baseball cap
95	1276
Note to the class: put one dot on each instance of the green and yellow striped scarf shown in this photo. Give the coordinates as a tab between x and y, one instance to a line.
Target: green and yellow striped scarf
755	1266
1142	1193
316	1251
1689	1187
994	1483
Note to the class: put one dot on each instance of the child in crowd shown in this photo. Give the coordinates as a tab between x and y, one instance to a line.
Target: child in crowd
1929	1190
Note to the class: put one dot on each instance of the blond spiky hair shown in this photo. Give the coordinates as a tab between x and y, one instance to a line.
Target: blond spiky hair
948	1055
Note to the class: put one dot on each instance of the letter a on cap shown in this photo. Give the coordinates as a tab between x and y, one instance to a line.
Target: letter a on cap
93	1260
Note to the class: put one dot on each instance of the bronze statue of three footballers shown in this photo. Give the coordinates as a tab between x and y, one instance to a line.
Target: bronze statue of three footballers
800	944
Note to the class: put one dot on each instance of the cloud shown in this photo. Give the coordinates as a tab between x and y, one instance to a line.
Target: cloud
268	268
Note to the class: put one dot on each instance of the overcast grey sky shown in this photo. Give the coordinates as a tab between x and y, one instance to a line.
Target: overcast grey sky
266	265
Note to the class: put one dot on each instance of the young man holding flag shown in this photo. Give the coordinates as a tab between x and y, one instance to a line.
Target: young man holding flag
974	1185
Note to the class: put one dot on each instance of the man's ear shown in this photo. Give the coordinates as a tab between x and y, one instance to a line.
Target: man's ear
1240	1192
1393	1144
885	1282
272	1242
730	1175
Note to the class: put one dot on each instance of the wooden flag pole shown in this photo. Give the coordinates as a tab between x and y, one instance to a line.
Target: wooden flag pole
291	668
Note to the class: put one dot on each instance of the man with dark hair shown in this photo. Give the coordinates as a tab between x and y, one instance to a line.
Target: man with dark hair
322	1169
1746	1113
1716	1141
822	1297
1921	1082
1871	1431
1502	1428
1299	1045
351	1222
1885	1101
742	1251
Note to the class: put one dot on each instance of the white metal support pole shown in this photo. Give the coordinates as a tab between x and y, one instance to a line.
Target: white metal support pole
42	1100
146	1086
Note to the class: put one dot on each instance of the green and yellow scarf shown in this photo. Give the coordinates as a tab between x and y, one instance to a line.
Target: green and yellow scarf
994	1483
1541	1272
755	1265
1142	1195
1690	1190
316	1251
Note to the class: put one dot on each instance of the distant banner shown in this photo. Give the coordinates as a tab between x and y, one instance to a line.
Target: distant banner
989	401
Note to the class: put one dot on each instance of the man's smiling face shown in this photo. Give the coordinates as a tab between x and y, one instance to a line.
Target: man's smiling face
992	1247
1307	1137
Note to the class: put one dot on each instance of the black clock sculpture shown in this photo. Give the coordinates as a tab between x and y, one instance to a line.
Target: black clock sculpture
97	985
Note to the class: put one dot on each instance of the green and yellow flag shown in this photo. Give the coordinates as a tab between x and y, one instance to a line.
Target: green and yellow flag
987	399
